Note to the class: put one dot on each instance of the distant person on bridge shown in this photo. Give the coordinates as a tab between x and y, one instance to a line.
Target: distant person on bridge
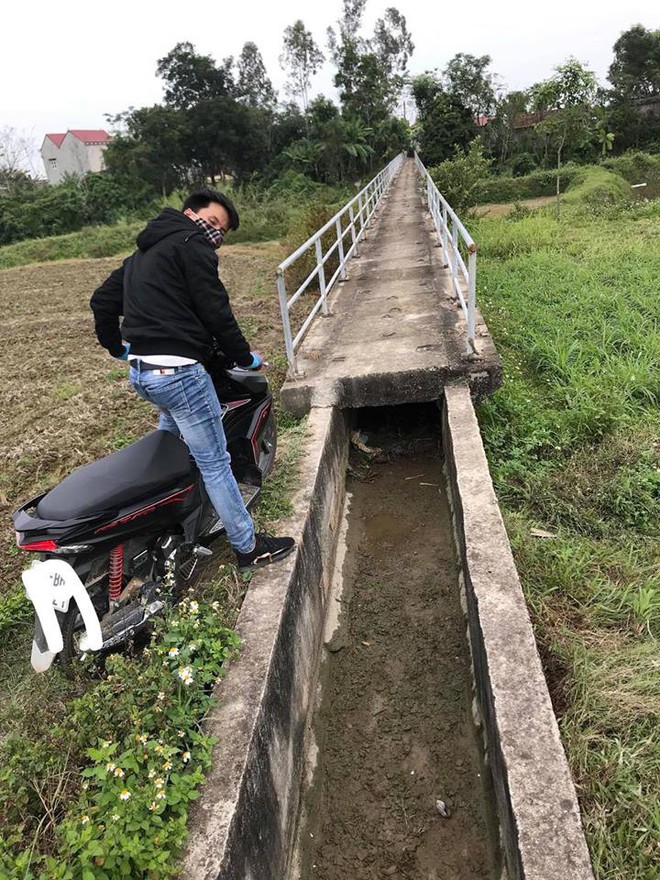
174	305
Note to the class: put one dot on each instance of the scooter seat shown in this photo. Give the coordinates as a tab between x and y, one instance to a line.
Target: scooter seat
144	468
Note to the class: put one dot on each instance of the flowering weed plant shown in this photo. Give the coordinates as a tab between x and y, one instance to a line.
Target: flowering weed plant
140	752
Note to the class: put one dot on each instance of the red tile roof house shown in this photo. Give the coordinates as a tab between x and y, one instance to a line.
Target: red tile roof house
77	151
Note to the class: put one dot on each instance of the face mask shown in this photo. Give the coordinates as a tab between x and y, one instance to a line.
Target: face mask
213	236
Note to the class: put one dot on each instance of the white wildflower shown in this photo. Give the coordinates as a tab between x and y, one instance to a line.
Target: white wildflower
185	674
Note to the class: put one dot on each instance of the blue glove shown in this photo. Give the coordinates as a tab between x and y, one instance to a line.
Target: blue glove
124	355
257	361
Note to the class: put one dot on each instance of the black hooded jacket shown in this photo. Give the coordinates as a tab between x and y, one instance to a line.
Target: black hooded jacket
170	296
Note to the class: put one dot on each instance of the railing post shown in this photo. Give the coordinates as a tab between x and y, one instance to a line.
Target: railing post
472	299
454	251
321	276
435	195
340	248
353	238
445	255
284	309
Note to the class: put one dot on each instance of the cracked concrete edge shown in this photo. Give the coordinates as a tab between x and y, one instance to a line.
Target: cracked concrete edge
387	388
543	838
243	823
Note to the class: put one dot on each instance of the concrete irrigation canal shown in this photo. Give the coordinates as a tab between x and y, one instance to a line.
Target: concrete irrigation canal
398	787
388	715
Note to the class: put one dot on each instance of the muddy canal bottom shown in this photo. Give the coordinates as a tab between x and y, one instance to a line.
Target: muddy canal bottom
394	733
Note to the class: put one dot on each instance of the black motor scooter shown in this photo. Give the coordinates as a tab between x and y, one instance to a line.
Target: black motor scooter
121	538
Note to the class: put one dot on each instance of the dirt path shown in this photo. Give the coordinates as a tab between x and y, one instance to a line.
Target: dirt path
501	209
395	729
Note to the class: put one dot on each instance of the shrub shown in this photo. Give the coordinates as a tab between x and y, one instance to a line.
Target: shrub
522	164
302	226
531	186
460	179
638	167
597	186
44	210
635	167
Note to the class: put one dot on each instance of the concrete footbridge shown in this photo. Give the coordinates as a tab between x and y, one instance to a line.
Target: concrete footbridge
388	715
394	330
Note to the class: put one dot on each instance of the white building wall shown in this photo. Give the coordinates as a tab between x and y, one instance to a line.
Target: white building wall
95	158
72	157
50	155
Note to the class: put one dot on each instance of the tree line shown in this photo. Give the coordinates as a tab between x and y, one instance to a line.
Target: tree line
222	121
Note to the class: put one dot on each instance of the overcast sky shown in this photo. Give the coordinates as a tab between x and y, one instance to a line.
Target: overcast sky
64	65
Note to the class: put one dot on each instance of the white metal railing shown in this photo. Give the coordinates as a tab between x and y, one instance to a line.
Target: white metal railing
348	227
449	228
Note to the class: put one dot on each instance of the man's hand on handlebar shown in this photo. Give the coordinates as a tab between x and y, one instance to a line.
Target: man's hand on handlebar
257	361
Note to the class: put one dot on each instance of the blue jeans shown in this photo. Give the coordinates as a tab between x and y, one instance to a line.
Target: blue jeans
190	409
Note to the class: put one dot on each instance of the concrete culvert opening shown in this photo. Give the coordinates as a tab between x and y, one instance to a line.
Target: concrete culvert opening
396	783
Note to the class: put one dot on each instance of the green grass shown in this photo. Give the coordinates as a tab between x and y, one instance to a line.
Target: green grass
275	501
573	440
596	185
90	242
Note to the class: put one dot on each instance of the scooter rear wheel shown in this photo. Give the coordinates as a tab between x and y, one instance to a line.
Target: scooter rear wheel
71	657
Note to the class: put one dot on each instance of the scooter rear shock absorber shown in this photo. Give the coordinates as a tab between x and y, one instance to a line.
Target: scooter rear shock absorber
116	571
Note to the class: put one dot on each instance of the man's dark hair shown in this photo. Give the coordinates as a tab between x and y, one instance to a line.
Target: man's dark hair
203	198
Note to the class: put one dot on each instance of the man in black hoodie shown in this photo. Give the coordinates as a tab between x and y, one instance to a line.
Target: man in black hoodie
174	305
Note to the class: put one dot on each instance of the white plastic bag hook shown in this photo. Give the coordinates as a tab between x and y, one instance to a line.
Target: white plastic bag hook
50	586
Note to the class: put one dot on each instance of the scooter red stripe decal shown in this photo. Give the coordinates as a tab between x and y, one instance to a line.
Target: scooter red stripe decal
143	511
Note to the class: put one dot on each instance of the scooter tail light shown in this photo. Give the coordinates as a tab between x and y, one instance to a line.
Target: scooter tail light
37	546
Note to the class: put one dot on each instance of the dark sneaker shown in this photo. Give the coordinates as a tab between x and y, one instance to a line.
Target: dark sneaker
266	550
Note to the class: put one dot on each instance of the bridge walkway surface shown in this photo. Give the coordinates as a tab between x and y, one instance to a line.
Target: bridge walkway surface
395	332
